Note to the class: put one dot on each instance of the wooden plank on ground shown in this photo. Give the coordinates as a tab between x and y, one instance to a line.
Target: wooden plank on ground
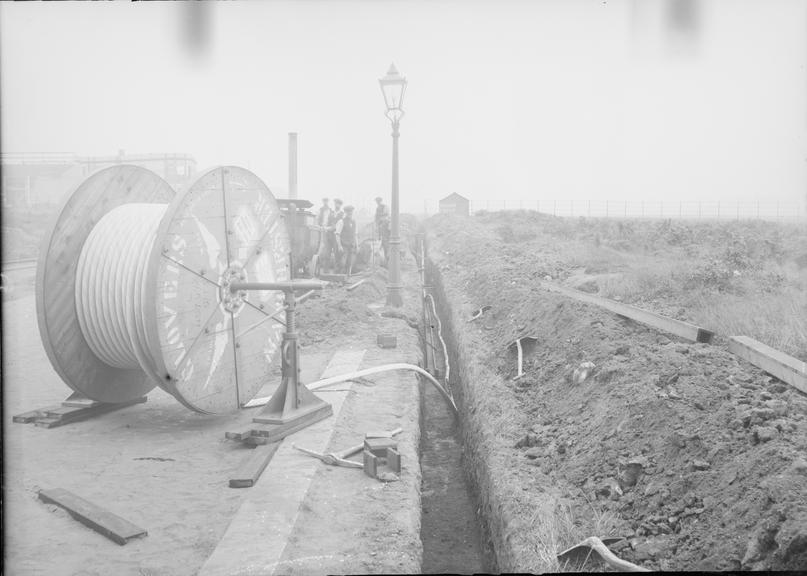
61	415
249	472
678	327
102	521
784	367
31	416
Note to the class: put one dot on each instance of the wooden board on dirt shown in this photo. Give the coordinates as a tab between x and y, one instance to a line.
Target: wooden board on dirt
102	521
784	367
61	414
678	327
248	473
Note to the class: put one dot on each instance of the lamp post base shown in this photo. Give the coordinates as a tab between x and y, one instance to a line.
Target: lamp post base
395	295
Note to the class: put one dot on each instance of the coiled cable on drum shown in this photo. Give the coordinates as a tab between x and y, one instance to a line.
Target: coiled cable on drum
110	290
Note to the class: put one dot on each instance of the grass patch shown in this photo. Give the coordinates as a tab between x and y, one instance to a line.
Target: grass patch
565	527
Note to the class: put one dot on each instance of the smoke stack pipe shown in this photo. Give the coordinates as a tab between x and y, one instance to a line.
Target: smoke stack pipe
293	165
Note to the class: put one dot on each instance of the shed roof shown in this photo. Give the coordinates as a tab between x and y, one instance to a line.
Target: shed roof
454	196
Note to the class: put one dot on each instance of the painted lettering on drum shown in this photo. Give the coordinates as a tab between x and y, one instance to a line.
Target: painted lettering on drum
246	228
170	289
212	248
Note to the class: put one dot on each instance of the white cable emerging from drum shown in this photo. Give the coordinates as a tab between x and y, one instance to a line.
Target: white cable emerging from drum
110	286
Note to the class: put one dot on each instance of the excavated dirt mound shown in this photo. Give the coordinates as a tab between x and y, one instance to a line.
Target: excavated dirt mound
693	455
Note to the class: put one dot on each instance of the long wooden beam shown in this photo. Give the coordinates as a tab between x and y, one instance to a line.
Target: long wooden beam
102	521
677	327
249	472
784	367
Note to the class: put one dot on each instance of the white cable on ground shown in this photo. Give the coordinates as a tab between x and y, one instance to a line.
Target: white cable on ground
366	372
609	557
440	335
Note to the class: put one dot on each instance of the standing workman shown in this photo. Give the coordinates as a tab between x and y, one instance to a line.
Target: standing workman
324	213
347	240
382	225
324	249
333	251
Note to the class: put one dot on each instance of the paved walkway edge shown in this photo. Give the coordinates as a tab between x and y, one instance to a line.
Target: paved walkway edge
257	536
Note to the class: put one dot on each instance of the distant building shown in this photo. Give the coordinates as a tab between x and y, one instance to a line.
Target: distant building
455	204
41	179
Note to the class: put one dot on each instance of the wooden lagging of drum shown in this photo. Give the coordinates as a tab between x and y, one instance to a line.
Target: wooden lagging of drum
133	287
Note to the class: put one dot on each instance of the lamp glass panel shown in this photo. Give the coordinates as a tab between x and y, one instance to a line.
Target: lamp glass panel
393	94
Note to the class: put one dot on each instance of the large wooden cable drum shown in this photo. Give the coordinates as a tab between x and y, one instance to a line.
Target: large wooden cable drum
133	287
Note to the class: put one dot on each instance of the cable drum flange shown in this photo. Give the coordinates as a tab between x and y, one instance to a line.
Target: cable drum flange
59	327
148	280
215	354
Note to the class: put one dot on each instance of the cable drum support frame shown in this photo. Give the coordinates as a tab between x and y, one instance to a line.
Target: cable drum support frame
148	303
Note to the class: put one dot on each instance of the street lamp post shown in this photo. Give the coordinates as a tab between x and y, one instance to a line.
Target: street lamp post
393	86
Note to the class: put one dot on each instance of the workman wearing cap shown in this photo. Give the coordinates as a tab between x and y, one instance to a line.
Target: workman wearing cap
333	254
382	225
347	240
324	213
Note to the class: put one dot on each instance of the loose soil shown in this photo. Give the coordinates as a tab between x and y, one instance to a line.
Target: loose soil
693	455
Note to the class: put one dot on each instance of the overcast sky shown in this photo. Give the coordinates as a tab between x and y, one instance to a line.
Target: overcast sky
654	99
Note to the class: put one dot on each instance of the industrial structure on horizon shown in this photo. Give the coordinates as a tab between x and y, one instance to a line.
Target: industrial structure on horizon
38	179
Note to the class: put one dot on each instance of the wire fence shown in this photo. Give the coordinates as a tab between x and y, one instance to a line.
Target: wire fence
705	210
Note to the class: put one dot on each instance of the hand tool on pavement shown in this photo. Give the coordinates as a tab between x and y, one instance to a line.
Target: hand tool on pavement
331	458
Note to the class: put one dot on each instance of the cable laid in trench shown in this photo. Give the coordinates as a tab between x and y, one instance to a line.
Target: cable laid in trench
442	342
367	372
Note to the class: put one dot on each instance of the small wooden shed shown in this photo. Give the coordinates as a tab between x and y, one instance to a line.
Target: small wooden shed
455	204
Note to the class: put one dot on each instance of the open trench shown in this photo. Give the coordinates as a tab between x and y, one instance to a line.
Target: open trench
453	531
550	459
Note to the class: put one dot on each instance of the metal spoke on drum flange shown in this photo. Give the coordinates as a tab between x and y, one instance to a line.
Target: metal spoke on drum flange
194	272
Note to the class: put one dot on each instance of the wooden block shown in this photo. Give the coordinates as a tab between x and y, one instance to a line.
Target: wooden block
370	464
394	460
102	521
80	401
46	422
679	328
378	446
27	417
784	367
247	475
243	435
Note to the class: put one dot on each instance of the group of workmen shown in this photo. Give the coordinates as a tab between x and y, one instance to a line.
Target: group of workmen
339	236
